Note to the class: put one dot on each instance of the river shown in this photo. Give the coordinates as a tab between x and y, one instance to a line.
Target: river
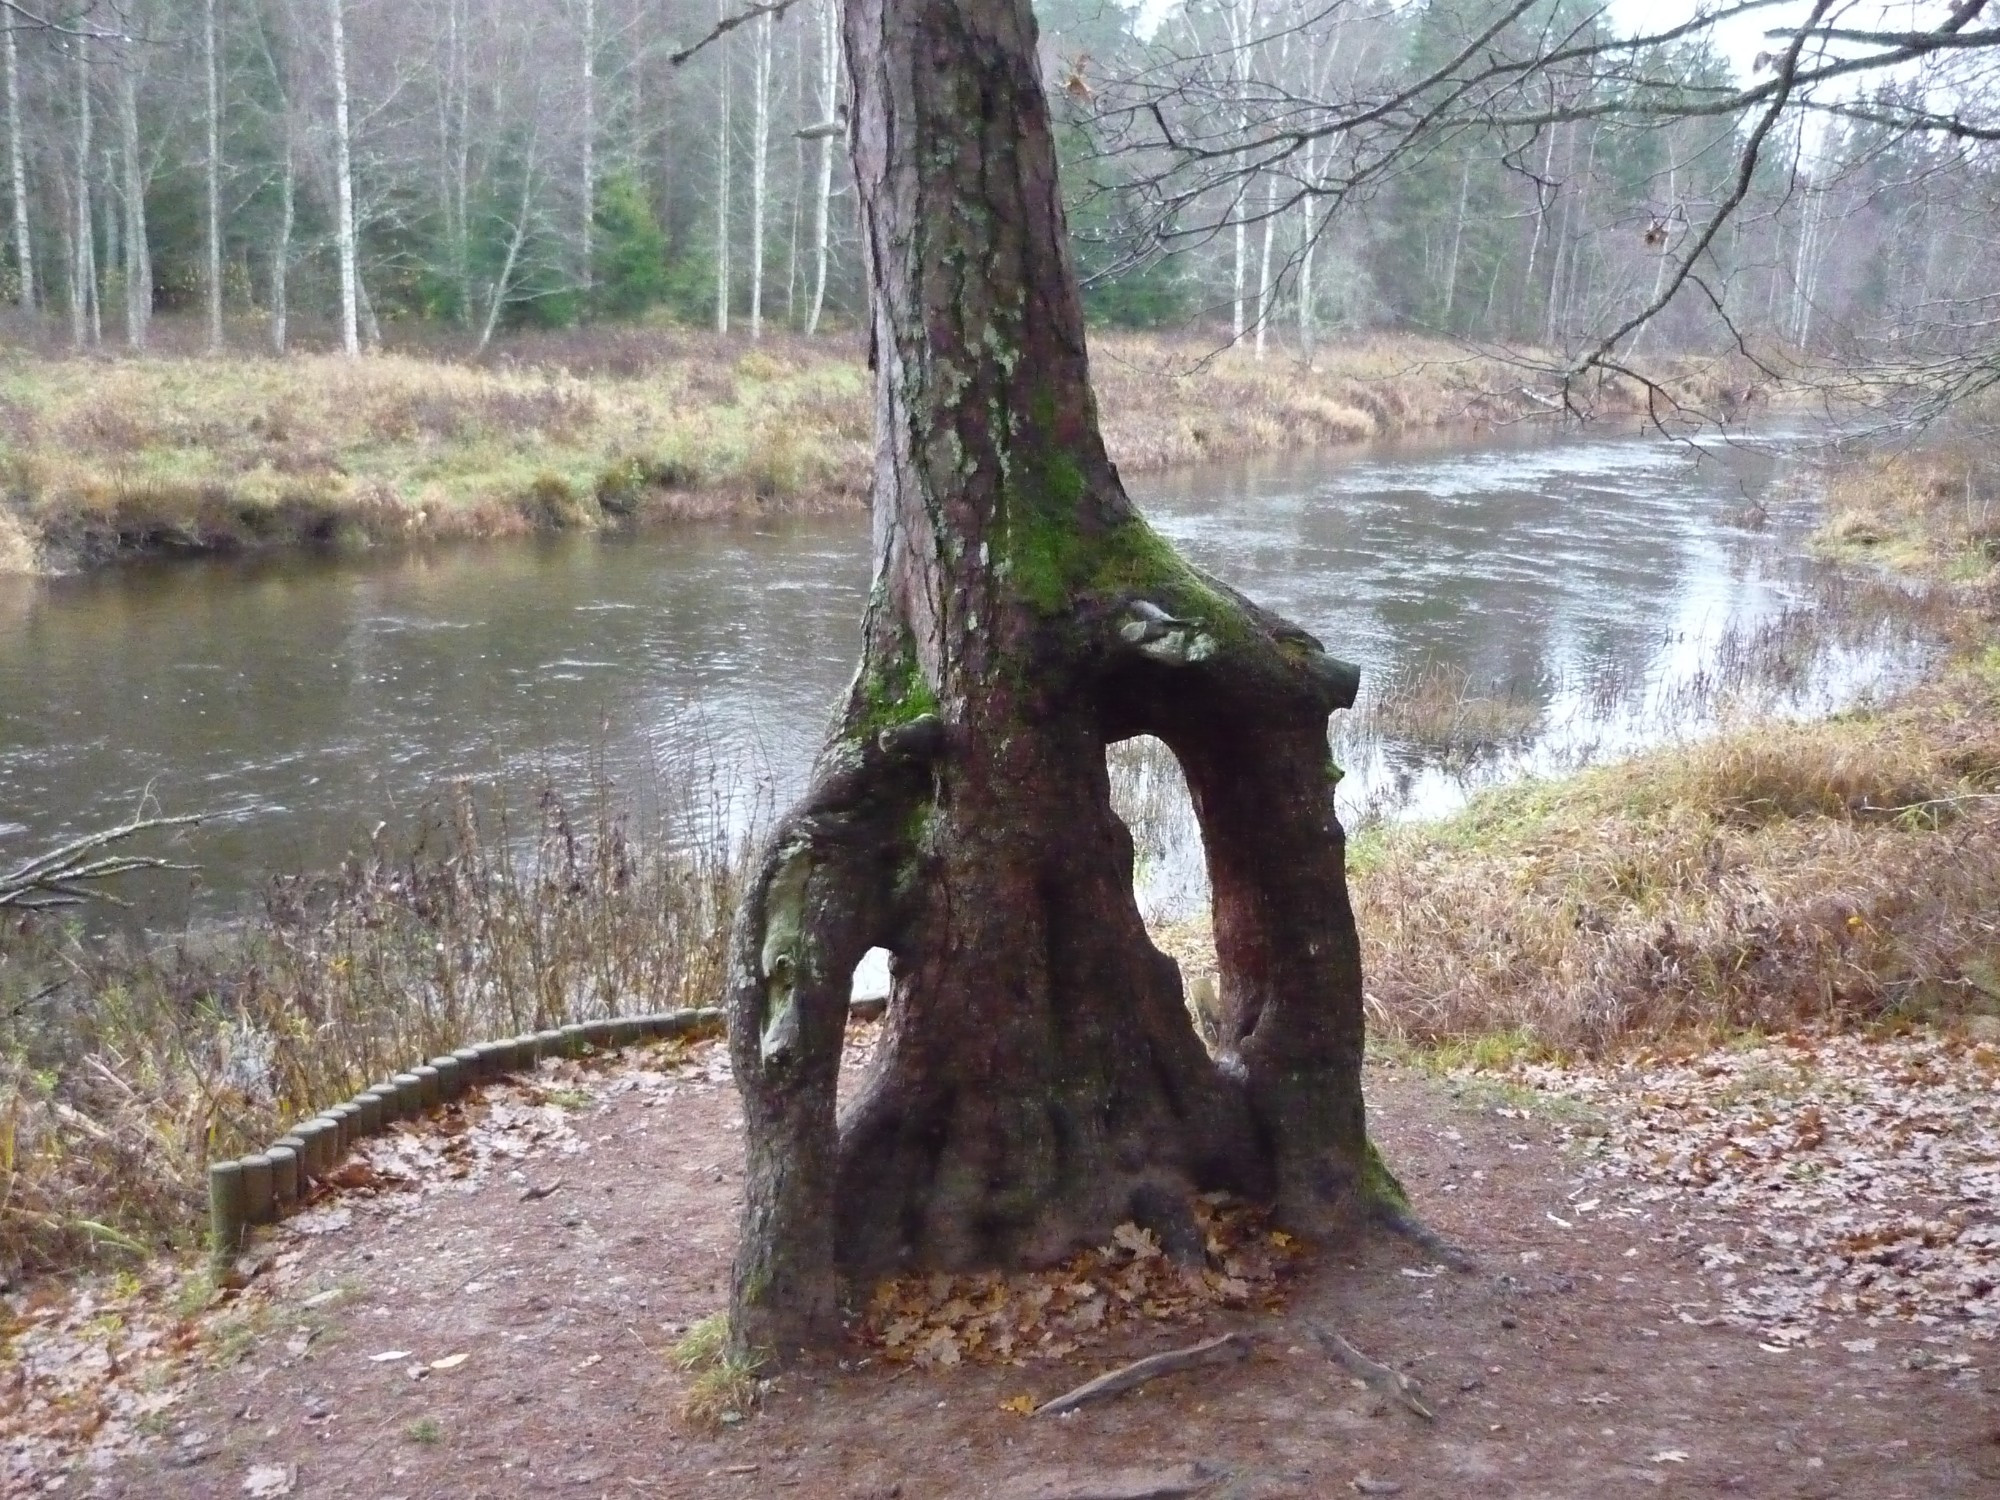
1584	596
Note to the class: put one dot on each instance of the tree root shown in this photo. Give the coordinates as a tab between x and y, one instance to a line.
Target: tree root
1391	1383
1225	1348
1400	1221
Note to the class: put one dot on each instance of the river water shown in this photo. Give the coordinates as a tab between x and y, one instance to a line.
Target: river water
1581	595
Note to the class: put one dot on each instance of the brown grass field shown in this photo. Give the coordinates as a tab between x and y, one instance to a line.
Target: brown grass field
106	458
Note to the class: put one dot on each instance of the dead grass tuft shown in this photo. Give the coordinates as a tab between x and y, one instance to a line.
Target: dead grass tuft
1833	872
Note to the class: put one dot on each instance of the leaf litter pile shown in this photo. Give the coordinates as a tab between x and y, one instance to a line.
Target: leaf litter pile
1814	1176
987	1317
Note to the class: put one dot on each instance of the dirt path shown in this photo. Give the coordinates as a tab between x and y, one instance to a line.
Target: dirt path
469	1340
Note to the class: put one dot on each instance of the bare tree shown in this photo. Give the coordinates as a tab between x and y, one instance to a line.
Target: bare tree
1504	87
83	329
343	148
831	113
724	151
138	251
587	223
760	150
212	175
17	171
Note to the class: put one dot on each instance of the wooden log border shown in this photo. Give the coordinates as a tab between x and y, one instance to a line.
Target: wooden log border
262	1187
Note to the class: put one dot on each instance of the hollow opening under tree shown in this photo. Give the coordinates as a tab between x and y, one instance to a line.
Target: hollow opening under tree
1038	1079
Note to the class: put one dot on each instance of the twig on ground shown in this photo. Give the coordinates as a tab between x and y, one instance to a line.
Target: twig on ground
1383	1378
533	1194
1215	1351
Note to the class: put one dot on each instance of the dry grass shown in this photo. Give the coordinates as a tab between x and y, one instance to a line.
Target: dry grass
1835	872
1840	871
105	458
124	1069
1935	510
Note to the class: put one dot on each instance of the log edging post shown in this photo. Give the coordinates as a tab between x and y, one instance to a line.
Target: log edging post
262	1187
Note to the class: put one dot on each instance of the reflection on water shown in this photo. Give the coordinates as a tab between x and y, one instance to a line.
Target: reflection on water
1584	583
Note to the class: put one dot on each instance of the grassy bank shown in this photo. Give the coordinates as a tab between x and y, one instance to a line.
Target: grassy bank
1845	871
124	1069
1841	871
103	459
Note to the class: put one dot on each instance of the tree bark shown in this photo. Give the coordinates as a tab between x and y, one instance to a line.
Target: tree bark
1038	1080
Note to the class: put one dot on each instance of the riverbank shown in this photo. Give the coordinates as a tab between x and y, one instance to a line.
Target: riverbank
1817	872
108	459
1836	873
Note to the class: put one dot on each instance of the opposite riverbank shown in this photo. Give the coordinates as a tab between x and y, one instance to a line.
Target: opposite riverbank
104	460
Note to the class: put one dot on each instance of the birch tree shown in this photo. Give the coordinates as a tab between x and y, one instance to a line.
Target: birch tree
345	246
760	136
212	177
831	115
138	252
724	152
588	225
83	255
17	173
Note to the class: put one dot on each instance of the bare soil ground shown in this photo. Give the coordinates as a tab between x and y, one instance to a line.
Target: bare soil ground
467	1332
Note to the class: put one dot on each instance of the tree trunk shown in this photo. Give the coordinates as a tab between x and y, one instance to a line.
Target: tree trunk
138	251
1039	1080
589	225
343	173
83	268
17	169
1264	287
1457	238
213	181
760	153
723	155
829	102
281	249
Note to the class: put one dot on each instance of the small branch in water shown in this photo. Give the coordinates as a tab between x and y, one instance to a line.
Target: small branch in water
67	875
1215	1351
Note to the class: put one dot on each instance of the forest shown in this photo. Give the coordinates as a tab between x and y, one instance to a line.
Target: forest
290	172
890	748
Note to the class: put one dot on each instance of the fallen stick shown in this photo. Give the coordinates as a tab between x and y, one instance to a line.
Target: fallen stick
1390	1382
1215	1351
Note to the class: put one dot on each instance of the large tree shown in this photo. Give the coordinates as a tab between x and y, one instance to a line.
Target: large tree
1038	1079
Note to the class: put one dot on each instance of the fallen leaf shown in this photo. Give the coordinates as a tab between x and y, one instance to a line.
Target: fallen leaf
1367	1484
451	1361
388	1355
1669	1456
1020	1405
